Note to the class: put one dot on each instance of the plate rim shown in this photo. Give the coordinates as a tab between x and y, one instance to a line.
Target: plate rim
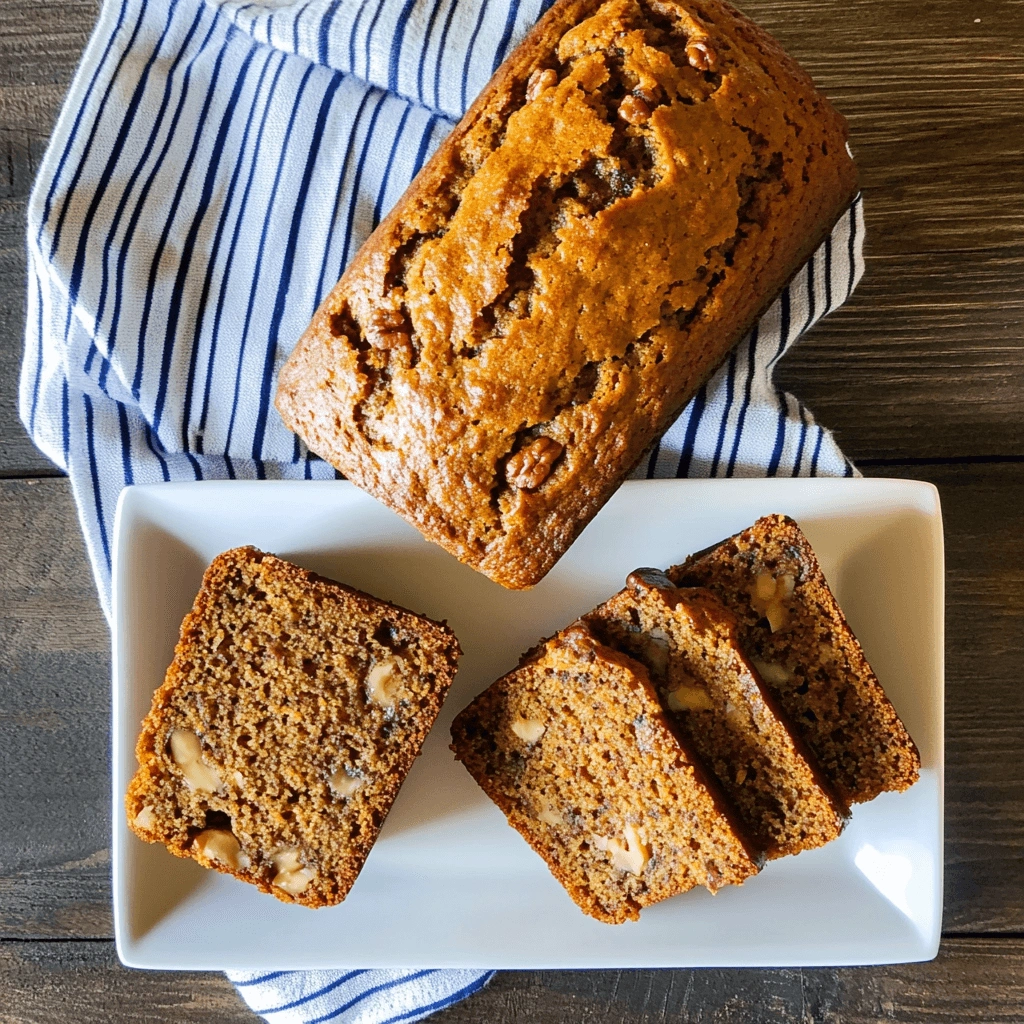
131	503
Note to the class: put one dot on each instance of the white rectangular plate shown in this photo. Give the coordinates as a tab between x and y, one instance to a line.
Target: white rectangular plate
449	883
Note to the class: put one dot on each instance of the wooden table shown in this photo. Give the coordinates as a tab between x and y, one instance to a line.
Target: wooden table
920	374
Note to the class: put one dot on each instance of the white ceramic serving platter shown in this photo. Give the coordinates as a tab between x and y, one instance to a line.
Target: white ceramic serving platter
449	883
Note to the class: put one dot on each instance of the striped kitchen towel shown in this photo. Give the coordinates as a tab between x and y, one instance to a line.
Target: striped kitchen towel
215	166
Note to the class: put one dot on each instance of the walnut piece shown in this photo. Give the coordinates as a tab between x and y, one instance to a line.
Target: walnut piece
387	319
383	683
633	110
146	818
221	847
689	698
541	79
391	341
187	751
344	785
768	595
291	876
771	672
700	55
738	716
550	815
530	466
529	730
631	855
389	332
657	646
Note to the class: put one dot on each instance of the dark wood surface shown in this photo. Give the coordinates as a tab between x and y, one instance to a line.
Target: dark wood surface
920	375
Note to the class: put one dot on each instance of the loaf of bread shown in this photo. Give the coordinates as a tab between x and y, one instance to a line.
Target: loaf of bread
286	724
576	750
794	631
689	643
627	195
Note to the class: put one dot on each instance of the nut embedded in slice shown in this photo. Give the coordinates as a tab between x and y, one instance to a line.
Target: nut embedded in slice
344	785
529	730
187	752
221	847
292	875
286	723
145	819
631	854
383	682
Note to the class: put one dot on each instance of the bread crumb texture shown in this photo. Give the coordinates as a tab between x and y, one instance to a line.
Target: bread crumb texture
689	643
288	719
629	192
575	749
805	652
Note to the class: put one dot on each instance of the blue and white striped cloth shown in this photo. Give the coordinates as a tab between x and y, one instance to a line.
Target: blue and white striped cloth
216	165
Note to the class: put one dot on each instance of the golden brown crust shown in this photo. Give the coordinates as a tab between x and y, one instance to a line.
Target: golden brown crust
575	748
811	659
271	686
575	260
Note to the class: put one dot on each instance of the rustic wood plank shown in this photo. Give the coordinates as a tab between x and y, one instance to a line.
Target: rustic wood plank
926	358
54	721
915	366
43	39
54	710
40	44
83	982
20	152
972	980
984	880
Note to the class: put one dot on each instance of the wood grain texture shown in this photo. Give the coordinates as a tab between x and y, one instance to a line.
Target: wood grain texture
927	357
83	983
40	44
984	879
924	361
973	980
54	721
54	710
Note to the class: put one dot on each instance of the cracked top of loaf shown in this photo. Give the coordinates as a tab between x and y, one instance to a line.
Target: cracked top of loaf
626	196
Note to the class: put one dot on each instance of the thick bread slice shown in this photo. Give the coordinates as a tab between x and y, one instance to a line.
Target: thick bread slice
796	635
689	643
289	718
576	750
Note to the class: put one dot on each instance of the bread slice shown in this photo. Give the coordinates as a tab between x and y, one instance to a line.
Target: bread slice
689	643
575	749
794	632
286	723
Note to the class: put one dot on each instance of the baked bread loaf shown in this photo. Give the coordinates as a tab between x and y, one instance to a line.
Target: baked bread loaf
689	643
286	724
626	196
794	632
575	749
